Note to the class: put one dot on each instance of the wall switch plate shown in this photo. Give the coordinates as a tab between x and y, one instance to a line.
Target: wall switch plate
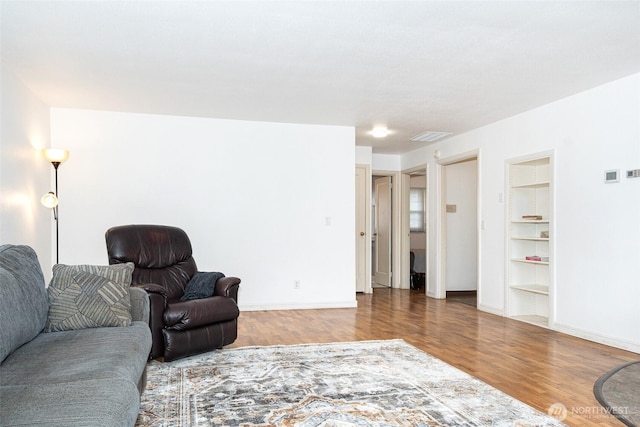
634	173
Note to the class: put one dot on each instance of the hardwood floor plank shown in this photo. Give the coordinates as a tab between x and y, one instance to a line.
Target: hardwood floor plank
535	365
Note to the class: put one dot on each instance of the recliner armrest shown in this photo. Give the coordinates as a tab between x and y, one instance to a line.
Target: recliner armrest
151	288
227	287
199	312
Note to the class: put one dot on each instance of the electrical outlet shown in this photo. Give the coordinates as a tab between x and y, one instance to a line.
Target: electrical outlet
296	284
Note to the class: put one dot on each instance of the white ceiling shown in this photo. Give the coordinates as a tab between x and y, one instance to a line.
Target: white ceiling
413	66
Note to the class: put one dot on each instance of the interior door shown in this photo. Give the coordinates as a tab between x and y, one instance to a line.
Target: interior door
382	189
361	230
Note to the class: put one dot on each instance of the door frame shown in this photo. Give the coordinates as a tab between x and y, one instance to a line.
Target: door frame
406	232
366	257
397	271
441	222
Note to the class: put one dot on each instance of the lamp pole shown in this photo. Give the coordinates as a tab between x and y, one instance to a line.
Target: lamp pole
56	156
56	213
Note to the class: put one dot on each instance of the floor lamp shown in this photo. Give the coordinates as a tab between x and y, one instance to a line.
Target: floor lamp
56	156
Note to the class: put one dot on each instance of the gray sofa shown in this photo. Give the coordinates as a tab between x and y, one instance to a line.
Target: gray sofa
85	377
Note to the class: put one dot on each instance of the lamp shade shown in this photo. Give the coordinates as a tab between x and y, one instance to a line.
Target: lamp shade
49	200
57	155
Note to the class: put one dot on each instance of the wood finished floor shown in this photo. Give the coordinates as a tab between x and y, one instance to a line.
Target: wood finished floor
535	365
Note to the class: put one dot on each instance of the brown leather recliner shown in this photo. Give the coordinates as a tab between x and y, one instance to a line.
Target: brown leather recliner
163	267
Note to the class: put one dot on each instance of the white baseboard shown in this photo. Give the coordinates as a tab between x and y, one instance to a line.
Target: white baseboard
299	306
491	310
600	339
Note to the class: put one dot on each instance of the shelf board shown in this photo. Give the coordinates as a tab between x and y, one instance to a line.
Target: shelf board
530	221
536	289
529	261
532	185
537	239
533	319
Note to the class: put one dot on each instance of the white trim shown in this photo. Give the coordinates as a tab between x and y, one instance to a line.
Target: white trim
396	220
405	232
601	339
367	170
491	310
406	235
299	306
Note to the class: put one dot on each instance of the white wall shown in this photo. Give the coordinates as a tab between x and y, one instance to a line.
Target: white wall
597	252
385	162
25	175
363	155
270	203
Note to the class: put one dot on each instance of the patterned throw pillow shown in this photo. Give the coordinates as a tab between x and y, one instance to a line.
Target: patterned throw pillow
89	296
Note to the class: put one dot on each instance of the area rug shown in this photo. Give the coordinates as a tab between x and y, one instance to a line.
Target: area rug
619	392
367	383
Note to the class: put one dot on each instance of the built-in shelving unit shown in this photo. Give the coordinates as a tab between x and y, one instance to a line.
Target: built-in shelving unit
529	239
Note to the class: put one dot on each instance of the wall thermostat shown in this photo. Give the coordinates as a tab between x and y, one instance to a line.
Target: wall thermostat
612	176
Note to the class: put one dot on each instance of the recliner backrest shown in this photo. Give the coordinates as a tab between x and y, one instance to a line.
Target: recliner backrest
161	255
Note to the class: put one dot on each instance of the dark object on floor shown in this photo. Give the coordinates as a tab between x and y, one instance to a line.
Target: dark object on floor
619	392
163	266
416	280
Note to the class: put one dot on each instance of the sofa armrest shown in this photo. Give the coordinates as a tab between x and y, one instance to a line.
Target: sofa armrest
227	287
139	304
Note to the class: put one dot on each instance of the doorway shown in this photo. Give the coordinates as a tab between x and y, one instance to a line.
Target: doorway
459	231
415	226
382	232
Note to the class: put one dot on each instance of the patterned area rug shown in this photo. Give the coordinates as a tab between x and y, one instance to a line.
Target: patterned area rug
367	383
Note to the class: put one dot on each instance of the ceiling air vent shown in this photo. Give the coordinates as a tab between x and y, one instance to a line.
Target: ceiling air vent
429	136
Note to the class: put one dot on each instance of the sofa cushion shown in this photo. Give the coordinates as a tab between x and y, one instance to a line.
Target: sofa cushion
78	355
23	299
89	296
103	402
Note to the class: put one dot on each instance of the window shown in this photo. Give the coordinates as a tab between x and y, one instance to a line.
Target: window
416	209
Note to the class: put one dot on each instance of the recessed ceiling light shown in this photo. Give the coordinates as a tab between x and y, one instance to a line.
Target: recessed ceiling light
380	132
429	136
